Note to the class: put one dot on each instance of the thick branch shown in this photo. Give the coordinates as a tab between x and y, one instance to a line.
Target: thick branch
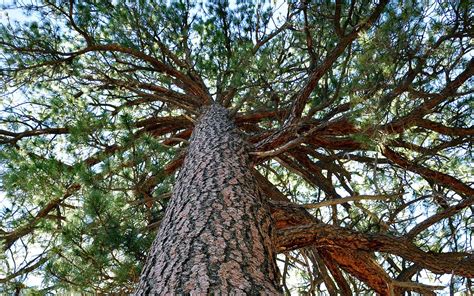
358	263
324	235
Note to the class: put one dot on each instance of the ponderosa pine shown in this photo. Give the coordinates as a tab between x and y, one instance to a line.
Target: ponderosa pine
330	139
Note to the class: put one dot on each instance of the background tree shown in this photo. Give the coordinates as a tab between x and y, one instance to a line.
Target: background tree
358	113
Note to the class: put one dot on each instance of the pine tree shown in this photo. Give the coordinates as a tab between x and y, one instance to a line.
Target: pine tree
184	147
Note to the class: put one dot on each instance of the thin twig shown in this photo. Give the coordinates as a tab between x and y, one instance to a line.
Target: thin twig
350	198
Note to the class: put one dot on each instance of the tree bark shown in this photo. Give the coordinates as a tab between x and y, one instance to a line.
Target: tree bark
216	236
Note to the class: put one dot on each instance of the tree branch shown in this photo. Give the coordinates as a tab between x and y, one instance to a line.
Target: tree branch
302	96
445	130
338	201
448	212
438	177
323	235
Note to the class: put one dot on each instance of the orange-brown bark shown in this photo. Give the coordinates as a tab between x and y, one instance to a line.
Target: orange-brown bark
323	235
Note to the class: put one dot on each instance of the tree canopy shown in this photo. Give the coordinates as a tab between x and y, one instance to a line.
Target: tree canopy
358	112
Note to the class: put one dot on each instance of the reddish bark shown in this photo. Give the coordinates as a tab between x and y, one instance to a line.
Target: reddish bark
357	262
216	237
334	237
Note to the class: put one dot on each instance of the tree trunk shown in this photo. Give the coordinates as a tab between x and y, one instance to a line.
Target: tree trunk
216	236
